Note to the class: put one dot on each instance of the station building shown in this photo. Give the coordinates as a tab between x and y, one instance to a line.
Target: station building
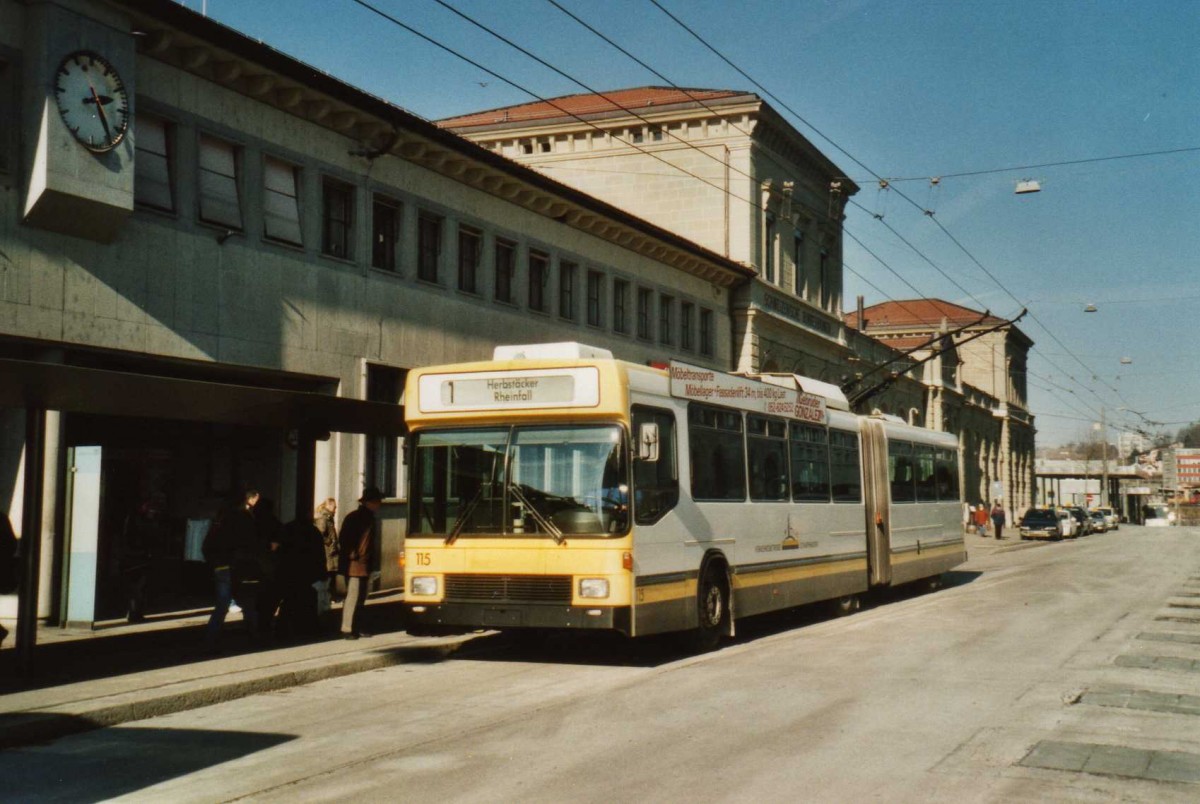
217	265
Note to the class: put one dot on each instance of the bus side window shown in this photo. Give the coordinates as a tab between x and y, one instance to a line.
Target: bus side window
655	483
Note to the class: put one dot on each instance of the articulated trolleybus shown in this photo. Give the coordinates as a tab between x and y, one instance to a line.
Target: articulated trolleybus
557	487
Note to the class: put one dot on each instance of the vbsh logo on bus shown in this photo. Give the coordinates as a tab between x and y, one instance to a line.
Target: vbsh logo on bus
714	387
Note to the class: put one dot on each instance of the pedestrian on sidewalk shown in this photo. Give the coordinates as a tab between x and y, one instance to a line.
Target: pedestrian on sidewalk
981	519
230	548
998	517
301	566
325	520
354	558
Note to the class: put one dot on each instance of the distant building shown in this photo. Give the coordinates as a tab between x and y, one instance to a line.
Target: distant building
990	369
1181	469
1130	443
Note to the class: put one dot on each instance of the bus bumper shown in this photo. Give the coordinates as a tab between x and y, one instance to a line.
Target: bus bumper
508	615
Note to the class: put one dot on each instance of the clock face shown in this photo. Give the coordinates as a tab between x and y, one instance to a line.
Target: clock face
92	99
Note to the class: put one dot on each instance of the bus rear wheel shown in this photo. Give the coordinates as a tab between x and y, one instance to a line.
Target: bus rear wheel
712	611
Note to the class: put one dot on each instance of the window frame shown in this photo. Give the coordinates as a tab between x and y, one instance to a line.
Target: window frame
236	155
506	270
141	173
668	448
539	280
293	208
709	425
595	304
620	301
645	306
469	268
568	271
331	185
707	336
686	314
767	437
386	216
430	226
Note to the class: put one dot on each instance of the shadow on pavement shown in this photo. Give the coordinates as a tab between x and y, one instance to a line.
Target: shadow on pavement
114	762
105	655
615	650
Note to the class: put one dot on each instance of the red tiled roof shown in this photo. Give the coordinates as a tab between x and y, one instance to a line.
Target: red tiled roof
638	100
907	342
919	314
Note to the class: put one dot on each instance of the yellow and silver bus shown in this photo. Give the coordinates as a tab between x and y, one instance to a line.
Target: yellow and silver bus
558	487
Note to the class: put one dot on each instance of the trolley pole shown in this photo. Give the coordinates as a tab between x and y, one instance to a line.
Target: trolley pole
1104	456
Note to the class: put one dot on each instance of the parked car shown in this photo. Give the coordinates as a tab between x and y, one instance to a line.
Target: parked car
1158	516
1041	523
1099	522
1082	520
1110	517
1067	525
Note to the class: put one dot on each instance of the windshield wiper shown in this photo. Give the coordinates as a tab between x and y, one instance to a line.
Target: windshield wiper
546	524
469	509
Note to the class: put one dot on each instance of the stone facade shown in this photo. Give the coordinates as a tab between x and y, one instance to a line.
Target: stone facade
337	262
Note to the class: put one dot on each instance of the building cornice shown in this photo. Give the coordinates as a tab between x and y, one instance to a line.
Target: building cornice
181	38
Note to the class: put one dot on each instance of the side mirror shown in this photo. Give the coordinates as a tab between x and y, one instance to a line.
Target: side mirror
647	436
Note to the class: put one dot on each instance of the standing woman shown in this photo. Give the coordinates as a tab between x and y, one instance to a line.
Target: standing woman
998	519
325	518
354	558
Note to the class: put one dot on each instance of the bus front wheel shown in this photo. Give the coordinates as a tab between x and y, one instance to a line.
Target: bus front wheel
712	610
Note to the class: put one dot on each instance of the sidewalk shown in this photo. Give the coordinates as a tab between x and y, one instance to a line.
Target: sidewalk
90	679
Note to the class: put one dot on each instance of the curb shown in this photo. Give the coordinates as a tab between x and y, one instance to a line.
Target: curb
40	726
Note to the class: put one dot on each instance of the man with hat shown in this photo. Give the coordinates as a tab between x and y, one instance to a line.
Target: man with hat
354	558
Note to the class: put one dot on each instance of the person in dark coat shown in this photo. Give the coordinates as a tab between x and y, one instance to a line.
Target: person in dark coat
9	563
998	518
354	558
142	537
301	564
269	533
231	549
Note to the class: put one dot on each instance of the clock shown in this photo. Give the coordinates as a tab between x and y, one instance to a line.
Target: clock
92	99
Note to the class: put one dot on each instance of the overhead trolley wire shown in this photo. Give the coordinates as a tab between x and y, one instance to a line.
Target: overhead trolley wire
877	176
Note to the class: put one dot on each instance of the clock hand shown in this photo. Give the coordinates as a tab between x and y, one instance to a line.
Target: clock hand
99	100
100	109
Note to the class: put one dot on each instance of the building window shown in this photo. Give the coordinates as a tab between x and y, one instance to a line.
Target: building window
826	284
706	332
385	233
566	289
798	263
281	201
666	306
645	297
220	202
506	265
382	467
152	186
595	299
686	312
429	245
337	219
620	306
769	248
539	277
470	249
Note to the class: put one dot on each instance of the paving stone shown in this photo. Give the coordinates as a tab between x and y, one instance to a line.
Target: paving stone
1144	662
1167	636
1174	766
1118	700
1176	663
1058	755
1118	760
1176	618
1183	605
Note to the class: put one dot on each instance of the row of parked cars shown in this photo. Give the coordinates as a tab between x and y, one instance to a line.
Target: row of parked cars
1067	523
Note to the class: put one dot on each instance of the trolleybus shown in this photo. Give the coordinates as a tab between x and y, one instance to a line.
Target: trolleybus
557	487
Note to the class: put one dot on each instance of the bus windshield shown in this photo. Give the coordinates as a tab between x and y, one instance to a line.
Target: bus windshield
520	481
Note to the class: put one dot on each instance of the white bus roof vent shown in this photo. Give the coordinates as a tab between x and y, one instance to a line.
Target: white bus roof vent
567	350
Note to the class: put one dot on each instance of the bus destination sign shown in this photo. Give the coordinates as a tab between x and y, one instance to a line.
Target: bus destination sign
545	388
717	388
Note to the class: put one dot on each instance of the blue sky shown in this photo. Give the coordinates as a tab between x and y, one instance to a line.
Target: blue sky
910	89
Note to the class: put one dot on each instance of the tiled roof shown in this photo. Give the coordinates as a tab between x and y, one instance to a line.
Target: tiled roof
908	342
639	100
919	314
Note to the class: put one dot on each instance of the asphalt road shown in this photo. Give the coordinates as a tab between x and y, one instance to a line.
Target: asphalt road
1062	671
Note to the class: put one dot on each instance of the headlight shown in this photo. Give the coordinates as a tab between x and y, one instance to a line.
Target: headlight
424	585
593	587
